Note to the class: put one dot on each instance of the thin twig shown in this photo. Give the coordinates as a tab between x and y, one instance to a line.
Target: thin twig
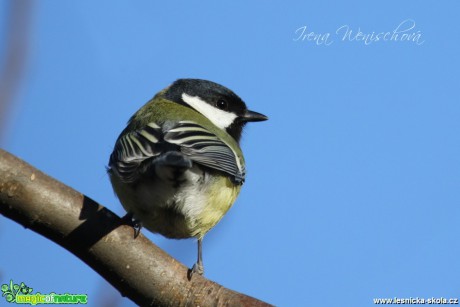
15	55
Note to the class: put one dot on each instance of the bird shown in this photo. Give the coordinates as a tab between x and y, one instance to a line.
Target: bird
177	167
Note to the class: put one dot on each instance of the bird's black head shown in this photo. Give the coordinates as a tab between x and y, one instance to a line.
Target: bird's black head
216	102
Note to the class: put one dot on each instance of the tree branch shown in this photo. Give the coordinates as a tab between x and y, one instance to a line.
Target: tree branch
136	267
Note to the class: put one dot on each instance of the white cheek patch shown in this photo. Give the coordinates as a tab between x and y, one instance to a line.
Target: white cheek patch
220	118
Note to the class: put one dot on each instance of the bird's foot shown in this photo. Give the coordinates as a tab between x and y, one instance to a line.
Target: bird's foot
197	268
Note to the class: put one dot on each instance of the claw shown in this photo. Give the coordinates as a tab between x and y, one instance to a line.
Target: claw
137	225
133	222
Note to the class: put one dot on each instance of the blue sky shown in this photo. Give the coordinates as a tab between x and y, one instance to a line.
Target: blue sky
353	185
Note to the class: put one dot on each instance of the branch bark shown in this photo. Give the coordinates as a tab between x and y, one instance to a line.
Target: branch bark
136	267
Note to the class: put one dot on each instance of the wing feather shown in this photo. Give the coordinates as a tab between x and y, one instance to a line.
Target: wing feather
133	150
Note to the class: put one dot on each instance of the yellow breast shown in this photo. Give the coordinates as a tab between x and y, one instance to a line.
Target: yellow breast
222	194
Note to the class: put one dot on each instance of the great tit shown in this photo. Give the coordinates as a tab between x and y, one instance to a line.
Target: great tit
177	167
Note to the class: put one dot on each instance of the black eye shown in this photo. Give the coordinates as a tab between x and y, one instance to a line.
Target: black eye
221	104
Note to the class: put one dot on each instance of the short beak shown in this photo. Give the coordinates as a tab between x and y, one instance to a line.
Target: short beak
252	116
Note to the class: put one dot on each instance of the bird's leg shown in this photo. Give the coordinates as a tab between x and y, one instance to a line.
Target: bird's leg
133	222
198	266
